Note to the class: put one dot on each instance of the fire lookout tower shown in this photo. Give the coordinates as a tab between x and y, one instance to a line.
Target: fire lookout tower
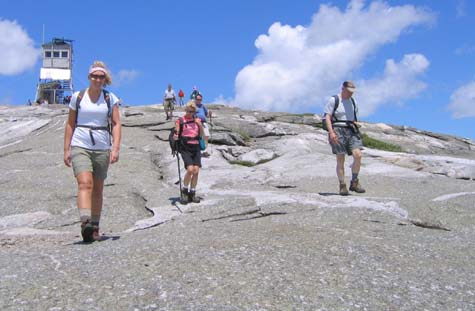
55	81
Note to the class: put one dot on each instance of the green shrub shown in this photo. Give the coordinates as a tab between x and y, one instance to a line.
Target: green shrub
380	145
243	163
249	163
245	136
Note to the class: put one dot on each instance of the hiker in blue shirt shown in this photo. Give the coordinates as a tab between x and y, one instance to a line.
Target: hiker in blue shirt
202	113
194	93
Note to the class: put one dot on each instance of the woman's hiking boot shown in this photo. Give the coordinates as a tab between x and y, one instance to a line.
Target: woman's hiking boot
184	196
343	189
356	187
95	233
192	198
87	232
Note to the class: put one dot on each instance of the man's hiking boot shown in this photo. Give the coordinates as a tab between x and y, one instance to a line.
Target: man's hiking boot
192	198
184	196
87	231
356	187
343	189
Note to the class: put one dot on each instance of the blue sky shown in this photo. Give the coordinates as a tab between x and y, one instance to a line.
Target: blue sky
412	61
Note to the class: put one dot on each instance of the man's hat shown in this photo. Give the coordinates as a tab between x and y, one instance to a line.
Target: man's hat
349	86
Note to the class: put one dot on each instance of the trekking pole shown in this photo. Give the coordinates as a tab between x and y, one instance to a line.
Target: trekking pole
210	131
179	177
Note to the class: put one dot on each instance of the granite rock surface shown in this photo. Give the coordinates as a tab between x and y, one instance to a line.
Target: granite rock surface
271	231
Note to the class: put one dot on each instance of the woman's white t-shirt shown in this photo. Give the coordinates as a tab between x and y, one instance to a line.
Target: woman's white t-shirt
92	114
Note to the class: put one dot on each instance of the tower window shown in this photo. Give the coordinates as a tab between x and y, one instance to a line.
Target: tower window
64	54
56	54
48	54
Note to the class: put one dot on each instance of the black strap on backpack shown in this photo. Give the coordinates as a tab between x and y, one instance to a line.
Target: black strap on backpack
337	102
175	144
186	139
93	128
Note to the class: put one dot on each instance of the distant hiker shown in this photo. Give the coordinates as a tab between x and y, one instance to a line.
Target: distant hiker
188	130
202	113
67	100
169	101
194	93
181	94
88	145
343	133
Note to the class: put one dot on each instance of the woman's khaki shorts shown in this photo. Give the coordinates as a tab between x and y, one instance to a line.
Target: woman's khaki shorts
95	161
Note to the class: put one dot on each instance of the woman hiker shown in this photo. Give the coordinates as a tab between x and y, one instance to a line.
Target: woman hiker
188	130
91	142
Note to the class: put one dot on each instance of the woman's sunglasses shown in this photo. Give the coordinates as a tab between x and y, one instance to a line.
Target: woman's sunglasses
98	77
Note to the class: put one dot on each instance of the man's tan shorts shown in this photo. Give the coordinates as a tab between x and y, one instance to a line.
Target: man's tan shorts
168	105
95	161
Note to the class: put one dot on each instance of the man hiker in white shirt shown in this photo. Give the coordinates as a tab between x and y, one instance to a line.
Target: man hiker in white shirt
169	101
343	134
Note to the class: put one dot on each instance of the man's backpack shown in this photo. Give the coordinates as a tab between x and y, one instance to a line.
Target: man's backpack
334	119
109	114
181	94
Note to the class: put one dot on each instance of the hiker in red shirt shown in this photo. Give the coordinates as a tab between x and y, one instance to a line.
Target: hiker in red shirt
181	94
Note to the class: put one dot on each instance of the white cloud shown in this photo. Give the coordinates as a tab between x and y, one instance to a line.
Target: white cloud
399	82
125	76
466	49
296	67
220	100
460	8
462	101
17	51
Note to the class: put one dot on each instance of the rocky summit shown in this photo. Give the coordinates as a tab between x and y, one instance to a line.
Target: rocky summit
270	233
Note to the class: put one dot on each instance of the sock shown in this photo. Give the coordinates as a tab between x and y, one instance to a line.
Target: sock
193	190
84	214
354	176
